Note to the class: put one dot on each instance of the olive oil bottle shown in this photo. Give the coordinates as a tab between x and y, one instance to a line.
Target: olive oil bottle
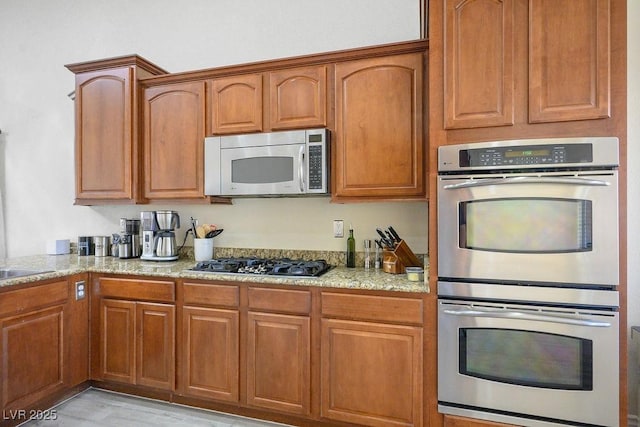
351	249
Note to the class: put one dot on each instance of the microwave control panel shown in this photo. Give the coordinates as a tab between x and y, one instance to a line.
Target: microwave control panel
316	167
533	155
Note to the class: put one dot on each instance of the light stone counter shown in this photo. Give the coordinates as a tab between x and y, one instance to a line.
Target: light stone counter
338	277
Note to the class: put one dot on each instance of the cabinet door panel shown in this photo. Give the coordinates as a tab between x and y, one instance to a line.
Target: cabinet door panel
174	141
479	81
379	144
371	373
568	60
155	345
236	104
210	354
298	98
279	362
32	350
104	135
117	332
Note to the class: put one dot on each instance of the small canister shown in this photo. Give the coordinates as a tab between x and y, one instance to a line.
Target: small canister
85	245
102	245
415	274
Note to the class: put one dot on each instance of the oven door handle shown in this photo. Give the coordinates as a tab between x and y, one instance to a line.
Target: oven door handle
510	314
526	180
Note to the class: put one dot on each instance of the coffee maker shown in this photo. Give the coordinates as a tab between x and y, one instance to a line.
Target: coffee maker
158	237
129	241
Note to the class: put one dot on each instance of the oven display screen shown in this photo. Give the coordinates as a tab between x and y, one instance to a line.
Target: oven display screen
527	153
526	225
527	358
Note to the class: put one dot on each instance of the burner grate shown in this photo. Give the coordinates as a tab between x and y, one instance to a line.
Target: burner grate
264	266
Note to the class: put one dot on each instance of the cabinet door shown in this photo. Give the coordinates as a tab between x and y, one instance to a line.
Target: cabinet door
298	98
174	141
569	67
32	351
210	354
278	362
155	344
371	373
104	137
236	104
379	141
117	340
479	80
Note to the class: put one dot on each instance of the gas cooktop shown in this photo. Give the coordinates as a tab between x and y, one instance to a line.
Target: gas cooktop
264	266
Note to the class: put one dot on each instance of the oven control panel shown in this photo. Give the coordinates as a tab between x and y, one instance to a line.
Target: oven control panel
526	155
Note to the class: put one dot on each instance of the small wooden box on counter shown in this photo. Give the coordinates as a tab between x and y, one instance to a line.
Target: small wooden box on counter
401	256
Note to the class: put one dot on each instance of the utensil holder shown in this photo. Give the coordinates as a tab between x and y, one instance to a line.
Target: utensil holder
394	261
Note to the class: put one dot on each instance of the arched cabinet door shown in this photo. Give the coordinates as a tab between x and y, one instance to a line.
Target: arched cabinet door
174	141
379	145
236	104
298	98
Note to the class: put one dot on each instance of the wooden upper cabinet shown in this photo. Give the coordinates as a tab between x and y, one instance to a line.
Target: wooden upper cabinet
298	98
478	73
379	138
569	67
235	104
560	70
104	132
174	116
106	120
289	99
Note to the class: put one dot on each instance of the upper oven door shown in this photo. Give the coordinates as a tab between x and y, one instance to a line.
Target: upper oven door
529	228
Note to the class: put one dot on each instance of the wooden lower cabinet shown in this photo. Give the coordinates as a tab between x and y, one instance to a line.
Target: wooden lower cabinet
209	365
33	356
137	343
279	362
371	373
43	346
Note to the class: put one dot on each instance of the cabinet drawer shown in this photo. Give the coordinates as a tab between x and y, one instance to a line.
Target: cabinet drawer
38	296
375	308
215	295
290	301
139	289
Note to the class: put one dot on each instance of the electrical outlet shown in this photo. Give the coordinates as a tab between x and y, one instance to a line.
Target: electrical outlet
80	290
338	228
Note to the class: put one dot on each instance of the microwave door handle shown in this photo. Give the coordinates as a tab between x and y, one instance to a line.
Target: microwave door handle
511	314
302	167
526	180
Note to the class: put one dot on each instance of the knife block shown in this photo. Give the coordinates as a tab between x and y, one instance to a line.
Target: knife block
401	256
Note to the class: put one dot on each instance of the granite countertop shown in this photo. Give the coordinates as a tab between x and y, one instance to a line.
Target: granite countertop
338	277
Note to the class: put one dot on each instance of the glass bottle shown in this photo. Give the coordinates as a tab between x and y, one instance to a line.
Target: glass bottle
351	249
367	254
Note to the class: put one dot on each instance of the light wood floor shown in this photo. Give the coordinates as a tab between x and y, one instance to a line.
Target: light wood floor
101	408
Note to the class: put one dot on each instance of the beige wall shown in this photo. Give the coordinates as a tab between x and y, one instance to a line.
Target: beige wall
39	36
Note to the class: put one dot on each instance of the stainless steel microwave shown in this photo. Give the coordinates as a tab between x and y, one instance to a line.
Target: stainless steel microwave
267	164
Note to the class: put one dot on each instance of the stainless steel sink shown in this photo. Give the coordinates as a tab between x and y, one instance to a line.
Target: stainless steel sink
11	273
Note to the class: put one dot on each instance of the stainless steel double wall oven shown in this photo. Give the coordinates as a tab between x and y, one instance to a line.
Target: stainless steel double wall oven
528	324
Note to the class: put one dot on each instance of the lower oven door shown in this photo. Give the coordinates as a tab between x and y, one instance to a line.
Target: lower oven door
528	365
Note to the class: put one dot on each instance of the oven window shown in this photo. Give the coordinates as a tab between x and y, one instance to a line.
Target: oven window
262	170
527	358
526	225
